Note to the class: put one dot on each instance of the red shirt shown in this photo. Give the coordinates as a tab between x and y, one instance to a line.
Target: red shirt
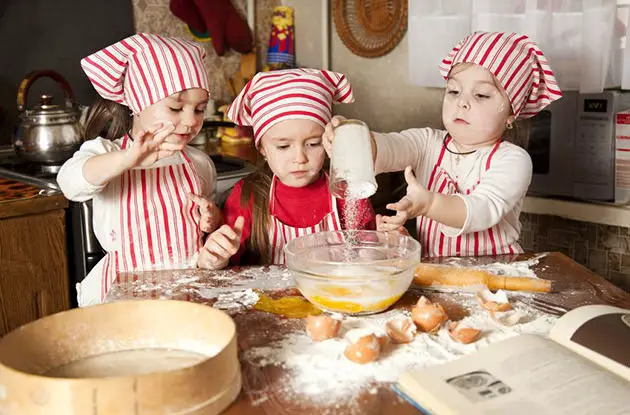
295	206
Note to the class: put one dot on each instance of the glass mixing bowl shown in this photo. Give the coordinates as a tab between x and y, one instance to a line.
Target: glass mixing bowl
353	272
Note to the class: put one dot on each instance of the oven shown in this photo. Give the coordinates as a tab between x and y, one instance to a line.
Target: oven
84	250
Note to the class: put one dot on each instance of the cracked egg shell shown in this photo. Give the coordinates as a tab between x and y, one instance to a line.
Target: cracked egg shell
494	301
463	335
322	327
383	340
401	330
428	316
507	318
364	350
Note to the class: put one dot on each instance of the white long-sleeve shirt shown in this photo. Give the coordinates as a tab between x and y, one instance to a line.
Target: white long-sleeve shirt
499	190
105	198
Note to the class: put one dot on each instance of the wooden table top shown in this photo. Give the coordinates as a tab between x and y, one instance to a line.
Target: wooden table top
263	392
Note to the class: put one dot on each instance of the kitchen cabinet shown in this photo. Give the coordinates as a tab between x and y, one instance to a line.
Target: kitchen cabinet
33	261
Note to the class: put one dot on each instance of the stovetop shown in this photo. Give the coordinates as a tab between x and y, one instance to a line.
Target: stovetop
12	167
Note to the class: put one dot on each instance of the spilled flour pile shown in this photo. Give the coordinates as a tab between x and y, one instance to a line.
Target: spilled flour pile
236	300
319	372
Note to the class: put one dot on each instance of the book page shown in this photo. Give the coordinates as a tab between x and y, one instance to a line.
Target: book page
526	374
599	333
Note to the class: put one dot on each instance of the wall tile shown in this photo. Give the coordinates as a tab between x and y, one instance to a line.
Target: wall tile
614	261
604	249
527	240
608	238
620	280
625	264
598	262
562	237
580	251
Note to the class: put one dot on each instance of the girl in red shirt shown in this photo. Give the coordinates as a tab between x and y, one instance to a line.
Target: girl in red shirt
289	196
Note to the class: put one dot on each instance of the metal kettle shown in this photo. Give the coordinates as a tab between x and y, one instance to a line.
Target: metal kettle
47	133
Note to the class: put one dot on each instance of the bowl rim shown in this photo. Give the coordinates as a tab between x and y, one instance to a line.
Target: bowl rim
413	256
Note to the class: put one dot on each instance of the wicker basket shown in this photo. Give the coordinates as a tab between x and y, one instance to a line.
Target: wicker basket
370	28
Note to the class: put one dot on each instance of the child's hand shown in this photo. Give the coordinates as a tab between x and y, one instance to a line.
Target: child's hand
221	245
151	146
382	226
329	133
415	203
210	213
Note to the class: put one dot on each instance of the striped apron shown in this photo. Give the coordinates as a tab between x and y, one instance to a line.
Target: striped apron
280	234
159	226
492	241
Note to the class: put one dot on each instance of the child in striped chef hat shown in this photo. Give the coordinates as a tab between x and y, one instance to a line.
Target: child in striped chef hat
289	196
466	184
151	192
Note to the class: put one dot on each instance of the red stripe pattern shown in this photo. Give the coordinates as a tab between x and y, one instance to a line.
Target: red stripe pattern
145	68
159	227
271	97
518	64
435	243
280	233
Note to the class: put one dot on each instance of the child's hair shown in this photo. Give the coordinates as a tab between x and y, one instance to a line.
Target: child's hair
256	188
107	119
519	133
117	73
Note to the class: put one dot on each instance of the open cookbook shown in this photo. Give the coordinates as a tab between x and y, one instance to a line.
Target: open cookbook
583	367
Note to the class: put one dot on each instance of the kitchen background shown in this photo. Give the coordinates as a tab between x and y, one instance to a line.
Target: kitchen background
385	97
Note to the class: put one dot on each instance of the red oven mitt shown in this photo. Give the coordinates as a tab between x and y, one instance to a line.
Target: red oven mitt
238	35
186	11
226	26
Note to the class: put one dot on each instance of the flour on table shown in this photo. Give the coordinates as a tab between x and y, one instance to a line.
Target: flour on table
269	278
236	300
209	285
180	278
512	269
319	372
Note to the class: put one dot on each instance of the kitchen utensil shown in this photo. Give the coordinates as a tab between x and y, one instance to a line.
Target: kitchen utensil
185	361
353	272
47	133
352	164
544	306
433	274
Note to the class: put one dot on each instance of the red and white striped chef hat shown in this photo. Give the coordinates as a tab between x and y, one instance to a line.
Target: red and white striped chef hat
145	68
271	97
518	64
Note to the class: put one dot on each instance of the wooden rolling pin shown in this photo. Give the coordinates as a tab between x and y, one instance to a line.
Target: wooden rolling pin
431	274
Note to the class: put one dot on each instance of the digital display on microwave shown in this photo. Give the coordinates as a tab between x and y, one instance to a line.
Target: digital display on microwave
595	105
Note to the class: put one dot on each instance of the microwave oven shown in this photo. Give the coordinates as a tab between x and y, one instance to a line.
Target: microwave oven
572	146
